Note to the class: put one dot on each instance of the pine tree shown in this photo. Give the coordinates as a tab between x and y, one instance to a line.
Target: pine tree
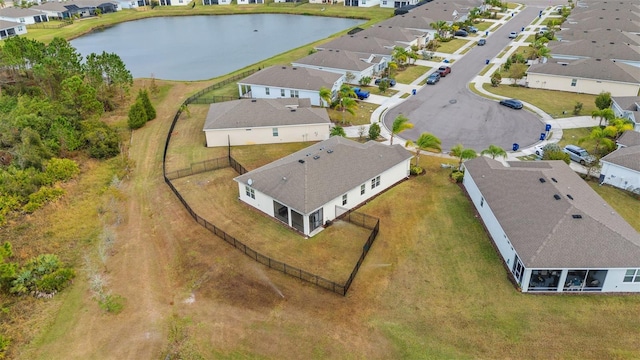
137	115
143	96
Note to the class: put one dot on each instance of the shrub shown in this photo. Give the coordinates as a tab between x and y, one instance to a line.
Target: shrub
415	170
42	196
4	345
374	131
364	81
137	115
457	175
143	96
102	141
111	303
556	154
577	108
60	170
55	281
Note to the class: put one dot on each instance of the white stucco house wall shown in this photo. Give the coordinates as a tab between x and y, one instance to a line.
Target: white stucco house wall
310	187
397	4
345	62
10	28
550	235
265	121
245	2
621	168
362	3
277	82
216	2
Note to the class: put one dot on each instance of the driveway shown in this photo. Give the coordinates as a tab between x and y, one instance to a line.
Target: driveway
454	114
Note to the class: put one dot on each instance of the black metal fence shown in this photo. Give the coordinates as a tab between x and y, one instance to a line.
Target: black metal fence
356	218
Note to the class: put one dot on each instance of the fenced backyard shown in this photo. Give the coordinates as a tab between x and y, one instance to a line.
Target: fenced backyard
357	225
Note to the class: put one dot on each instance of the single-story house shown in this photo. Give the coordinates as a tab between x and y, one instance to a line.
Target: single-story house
586	75
362	44
552	230
315	185
174	2
265	121
362	3
23	16
397	4
627	107
10	28
621	168
290	81
216	2
81	8
343	62
405	38
245	2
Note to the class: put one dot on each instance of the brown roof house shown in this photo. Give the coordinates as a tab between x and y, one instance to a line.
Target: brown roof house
265	121
552	230
621	168
314	185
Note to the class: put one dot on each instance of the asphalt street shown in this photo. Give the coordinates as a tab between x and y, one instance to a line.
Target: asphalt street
453	113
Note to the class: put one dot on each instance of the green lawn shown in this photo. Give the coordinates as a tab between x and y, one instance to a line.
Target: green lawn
552	102
452	46
410	73
362	115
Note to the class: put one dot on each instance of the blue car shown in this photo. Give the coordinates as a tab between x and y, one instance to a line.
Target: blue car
512	103
361	94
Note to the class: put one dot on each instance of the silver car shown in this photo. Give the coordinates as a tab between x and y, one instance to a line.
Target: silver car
579	154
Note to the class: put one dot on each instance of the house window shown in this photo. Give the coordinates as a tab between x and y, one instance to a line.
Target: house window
266	91
344	199
281	92
632	275
384	3
375	182
574	82
481	201
295	94
275	131
250	192
362	187
21	20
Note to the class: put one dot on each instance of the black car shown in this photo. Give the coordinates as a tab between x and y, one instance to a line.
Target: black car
433	78
482	42
461	33
391	82
512	103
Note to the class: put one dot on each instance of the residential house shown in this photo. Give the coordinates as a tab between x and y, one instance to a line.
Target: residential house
10	28
404	38
627	107
216	2
361	3
315	185
621	168
394	4
23	16
245	2
344	62
361	44
265	121
80	8
551	229
290	81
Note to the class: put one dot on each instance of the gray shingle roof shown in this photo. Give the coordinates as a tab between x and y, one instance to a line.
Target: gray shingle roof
361	44
52	6
629	103
410	21
614	46
307	186
392	33
588	68
293	78
15	12
629	138
542	229
248	113
9	24
628	157
337	59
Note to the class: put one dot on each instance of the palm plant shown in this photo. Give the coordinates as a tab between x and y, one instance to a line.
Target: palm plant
337	131
462	154
426	141
602	115
440	26
493	151
400	55
400	124
601	137
325	96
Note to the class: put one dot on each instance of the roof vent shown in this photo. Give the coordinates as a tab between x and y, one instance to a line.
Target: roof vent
329	151
316	157
576	216
284	67
294	68
593	41
542	180
293	110
611	42
301	161
598	59
556	196
554	180
254	100
570	197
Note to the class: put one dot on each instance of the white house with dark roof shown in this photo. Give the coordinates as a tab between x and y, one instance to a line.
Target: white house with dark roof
81	8
265	121
310	187
361	3
621	168
23	16
342	62
627	107
216	2
552	230
290	82
10	28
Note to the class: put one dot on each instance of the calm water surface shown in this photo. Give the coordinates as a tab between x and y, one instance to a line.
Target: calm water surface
203	47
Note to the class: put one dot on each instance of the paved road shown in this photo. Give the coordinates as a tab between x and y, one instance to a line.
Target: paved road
454	114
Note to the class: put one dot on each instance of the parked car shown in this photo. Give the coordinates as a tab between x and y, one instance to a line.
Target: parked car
461	33
543	30
482	42
579	154
513	35
443	71
539	150
361	94
472	29
433	78
512	103
391	82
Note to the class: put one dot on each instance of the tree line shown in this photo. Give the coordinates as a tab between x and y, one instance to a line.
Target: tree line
51	103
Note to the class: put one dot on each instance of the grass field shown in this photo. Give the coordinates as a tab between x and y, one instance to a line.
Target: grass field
452	46
410	73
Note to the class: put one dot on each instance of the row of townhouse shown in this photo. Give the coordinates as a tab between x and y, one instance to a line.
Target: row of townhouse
14	20
458	9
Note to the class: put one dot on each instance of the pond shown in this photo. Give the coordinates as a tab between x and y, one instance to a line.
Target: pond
206	46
